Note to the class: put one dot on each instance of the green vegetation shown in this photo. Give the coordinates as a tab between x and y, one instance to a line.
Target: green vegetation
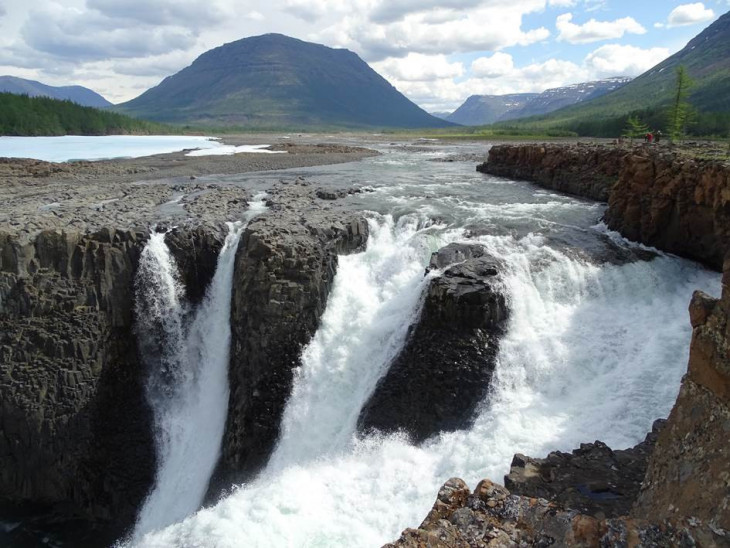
705	59
635	128
34	116
679	110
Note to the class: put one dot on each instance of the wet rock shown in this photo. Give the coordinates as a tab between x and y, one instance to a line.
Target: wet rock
593	479
196	252
284	269
443	371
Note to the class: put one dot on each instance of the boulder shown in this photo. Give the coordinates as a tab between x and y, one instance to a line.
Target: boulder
443	372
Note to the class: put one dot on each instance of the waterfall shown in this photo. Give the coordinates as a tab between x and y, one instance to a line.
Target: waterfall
188	355
575	365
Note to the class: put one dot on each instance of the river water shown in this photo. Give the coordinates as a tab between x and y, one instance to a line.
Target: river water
595	348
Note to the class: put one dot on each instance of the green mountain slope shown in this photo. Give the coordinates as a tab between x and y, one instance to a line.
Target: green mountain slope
31	116
707	60
277	81
78	94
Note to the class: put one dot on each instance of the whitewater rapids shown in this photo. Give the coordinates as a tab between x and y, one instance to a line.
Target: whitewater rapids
591	352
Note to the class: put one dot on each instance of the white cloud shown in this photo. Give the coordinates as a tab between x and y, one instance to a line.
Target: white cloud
494	66
488	28
593	31
562	3
689	14
417	67
619	60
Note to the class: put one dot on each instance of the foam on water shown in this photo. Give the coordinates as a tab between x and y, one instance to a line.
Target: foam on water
591	352
188	355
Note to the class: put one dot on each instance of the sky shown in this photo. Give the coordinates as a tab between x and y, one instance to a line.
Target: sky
436	52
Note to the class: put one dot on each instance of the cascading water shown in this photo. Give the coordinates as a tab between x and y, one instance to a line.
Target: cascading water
187	352
574	366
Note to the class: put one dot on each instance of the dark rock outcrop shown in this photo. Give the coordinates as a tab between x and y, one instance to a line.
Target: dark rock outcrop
592	479
443	371
76	426
670	199
284	269
493	517
582	170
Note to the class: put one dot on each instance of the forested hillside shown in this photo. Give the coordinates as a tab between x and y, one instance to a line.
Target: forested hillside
35	116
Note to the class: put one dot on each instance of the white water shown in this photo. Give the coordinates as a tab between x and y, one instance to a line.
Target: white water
591	353
188	389
227	150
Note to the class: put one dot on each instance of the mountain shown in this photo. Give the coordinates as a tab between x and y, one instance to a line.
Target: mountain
707	60
78	94
442	115
277	81
480	110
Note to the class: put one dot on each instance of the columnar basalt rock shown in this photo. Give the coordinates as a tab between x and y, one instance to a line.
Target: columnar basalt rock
284	269
76	425
675	201
443	372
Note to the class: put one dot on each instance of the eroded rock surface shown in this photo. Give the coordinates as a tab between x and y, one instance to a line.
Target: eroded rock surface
666	198
582	170
593	479
689	471
492	517
284	269
443	371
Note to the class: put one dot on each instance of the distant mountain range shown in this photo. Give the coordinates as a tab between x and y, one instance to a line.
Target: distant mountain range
707	60
480	110
278	81
78	94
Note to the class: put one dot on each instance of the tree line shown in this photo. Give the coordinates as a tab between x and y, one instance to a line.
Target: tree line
21	115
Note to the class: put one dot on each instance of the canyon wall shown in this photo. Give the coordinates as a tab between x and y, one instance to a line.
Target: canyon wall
676	201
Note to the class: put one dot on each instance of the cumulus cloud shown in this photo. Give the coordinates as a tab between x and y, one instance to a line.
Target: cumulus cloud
498	64
184	13
417	67
618	60
594	31
484	29
387	11
689	14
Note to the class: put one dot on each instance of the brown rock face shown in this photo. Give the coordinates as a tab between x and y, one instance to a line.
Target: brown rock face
443	371
677	204
583	170
284	269
689	471
493	517
667	200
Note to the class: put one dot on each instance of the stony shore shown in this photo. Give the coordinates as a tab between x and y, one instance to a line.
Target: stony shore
128	193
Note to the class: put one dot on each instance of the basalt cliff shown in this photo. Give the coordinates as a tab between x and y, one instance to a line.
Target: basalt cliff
677	200
77	438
